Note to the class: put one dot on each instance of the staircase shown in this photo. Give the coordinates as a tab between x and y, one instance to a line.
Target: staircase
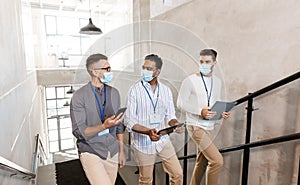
66	173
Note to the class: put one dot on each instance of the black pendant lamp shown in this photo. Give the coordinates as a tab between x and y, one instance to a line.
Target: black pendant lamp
90	29
66	104
71	91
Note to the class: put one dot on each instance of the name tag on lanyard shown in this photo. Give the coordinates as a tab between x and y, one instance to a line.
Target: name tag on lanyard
103	133
155	119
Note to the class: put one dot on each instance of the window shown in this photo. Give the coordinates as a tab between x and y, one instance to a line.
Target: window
58	118
69	47
64	40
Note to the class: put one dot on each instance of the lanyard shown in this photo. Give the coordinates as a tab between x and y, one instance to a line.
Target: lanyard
154	105
98	102
208	95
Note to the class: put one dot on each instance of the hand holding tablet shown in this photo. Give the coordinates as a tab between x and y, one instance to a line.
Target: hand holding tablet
121	110
169	130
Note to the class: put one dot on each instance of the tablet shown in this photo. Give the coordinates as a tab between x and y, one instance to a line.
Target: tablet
121	110
169	130
221	107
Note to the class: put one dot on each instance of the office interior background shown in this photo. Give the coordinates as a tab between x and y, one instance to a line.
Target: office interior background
43	58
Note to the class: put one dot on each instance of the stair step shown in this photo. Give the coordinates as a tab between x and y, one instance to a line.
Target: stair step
72	173
46	175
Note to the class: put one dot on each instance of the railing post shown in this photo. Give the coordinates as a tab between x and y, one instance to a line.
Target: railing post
129	147
299	173
153	178
36	154
167	179
247	140
185	150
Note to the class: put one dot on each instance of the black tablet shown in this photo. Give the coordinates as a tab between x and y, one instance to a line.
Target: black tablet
169	130
121	110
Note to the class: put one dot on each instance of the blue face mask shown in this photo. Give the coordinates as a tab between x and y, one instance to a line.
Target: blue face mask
147	75
205	69
107	77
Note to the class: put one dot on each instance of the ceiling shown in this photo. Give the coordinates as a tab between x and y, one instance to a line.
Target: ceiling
97	6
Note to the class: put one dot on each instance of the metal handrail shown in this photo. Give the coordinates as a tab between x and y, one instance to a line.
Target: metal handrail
15	169
18	170
262	143
253	144
269	88
38	149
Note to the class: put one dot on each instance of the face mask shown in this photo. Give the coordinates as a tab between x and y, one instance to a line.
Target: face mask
107	77
147	75
205	69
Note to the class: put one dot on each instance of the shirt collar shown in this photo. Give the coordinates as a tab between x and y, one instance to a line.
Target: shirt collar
97	89
147	84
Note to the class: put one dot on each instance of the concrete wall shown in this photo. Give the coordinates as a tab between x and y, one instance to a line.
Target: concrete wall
20	104
258	44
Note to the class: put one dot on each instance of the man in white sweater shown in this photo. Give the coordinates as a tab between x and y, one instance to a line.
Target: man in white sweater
197	94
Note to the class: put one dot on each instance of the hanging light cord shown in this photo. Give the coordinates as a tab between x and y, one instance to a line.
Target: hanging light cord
90	8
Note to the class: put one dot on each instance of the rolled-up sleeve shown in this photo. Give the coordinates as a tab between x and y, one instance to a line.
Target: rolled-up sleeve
78	116
130	114
120	129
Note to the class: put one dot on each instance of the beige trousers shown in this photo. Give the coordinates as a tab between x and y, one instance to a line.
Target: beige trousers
208	159
99	171
170	165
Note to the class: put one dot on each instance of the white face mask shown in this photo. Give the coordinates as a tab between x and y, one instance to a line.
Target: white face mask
205	69
147	75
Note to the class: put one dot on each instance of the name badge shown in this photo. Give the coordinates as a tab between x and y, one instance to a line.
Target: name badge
103	133
155	119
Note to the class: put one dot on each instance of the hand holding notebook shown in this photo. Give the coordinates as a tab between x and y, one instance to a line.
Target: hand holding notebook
219	107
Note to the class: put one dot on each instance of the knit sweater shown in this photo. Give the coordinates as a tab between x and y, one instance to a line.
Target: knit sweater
192	98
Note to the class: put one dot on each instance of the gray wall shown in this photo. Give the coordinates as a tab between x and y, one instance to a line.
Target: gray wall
20	105
258	44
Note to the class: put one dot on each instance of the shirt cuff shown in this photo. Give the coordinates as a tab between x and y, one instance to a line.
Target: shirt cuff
129	125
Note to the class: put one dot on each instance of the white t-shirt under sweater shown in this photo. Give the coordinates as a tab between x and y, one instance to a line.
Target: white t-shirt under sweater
192	98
